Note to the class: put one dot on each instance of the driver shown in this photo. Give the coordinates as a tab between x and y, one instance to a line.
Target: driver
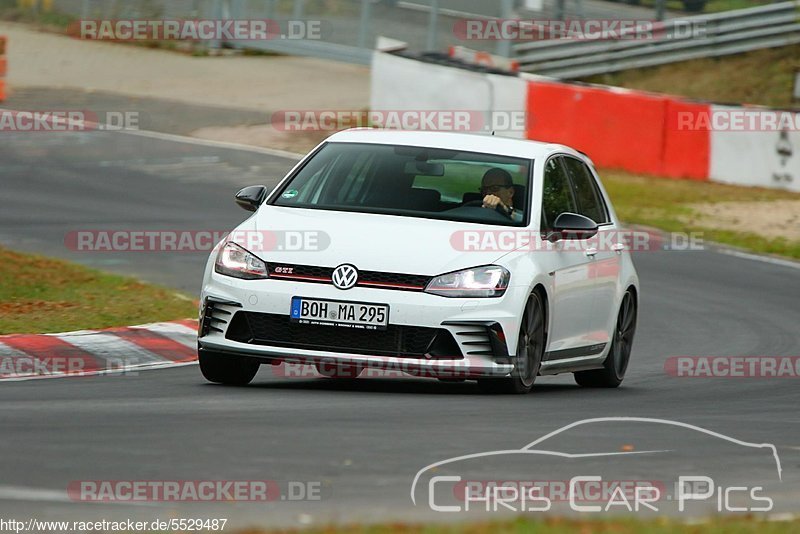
497	188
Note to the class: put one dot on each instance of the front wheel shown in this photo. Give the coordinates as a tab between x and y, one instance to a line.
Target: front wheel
229	370
530	350
613	371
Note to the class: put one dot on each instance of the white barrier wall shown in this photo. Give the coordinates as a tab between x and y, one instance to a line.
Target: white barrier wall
400	84
757	158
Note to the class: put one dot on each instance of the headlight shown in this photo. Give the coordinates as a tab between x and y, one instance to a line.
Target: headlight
486	281
233	260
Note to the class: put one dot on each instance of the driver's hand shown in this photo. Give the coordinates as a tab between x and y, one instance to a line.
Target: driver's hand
492	201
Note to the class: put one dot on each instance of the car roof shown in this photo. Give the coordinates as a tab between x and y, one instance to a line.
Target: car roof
467	142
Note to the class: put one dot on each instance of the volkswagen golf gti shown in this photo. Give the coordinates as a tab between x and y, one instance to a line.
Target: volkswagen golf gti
445	255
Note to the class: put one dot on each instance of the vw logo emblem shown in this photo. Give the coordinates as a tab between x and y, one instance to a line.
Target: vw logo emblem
344	276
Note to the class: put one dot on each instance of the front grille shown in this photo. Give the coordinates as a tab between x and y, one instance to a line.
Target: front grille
377	279
396	341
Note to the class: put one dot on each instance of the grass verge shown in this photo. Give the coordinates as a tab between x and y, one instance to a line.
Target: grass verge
39	294
565	526
764	77
671	206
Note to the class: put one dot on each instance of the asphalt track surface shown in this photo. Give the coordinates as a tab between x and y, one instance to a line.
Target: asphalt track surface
362	440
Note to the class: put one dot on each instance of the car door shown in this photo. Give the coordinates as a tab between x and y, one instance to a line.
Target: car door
605	248
573	284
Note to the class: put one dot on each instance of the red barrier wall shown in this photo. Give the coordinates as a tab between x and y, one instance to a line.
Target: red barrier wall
621	129
687	153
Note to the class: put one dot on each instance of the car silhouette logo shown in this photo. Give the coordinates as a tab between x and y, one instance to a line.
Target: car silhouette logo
344	276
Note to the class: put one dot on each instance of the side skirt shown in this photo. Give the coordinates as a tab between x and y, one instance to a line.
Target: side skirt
571	360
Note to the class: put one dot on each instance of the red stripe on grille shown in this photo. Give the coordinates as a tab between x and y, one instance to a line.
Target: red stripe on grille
300	277
383	284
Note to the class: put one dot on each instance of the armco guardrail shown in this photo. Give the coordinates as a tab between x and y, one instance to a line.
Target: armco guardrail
347	28
719	34
3	66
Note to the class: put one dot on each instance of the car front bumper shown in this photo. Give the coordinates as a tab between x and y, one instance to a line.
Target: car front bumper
484	330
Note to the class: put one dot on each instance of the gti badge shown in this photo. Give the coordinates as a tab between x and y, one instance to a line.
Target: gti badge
345	276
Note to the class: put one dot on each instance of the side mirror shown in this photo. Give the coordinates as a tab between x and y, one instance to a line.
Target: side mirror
572	226
251	197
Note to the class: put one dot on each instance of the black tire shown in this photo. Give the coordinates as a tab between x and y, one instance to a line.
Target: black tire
530	350
619	355
225	369
339	370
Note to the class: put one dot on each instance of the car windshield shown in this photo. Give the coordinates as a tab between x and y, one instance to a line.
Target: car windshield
411	181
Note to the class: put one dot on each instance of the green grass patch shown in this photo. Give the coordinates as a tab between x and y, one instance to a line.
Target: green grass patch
666	204
765	77
39	294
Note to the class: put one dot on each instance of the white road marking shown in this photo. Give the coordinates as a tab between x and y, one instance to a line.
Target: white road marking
217	144
757	257
21	493
118	371
93	126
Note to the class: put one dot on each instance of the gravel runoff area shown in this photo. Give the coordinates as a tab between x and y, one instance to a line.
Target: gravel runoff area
262	83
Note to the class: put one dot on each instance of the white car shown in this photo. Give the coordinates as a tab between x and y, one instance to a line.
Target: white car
448	255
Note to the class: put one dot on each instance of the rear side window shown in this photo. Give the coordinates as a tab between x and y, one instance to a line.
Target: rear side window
557	195
587	194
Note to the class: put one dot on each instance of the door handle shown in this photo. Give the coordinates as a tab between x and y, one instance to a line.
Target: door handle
618	248
591	252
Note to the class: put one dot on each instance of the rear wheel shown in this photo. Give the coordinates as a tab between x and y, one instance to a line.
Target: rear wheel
613	371
224	369
338	370
530	350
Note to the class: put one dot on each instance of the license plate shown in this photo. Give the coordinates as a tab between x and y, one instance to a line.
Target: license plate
361	315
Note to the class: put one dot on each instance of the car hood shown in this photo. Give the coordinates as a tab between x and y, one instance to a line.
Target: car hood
371	242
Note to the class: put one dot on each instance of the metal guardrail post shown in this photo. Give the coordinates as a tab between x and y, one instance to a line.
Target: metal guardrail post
298	9
504	45
560	9
433	25
217	11
660	9
270	9
363	26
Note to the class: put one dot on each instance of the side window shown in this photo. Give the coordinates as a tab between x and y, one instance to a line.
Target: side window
590	202
557	194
